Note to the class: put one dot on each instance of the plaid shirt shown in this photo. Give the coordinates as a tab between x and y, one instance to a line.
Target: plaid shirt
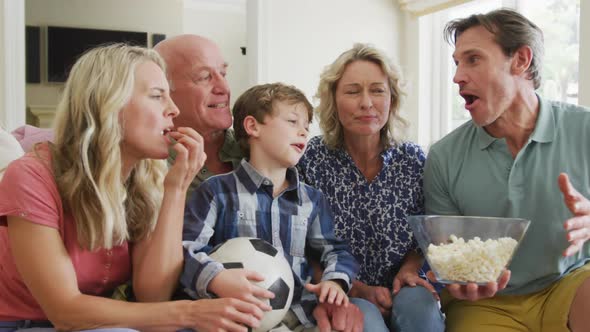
241	203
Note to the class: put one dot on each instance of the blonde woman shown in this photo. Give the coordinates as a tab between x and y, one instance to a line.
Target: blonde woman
79	216
373	180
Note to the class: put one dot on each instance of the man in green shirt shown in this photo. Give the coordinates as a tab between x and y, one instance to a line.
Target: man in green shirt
519	156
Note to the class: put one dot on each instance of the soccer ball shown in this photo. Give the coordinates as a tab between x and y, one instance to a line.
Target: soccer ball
260	256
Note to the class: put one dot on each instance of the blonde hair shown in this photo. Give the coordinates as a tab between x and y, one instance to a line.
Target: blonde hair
108	209
327	112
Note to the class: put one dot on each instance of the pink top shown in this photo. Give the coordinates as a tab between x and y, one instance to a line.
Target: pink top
28	190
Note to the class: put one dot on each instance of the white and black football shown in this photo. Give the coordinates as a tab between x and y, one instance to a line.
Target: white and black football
260	256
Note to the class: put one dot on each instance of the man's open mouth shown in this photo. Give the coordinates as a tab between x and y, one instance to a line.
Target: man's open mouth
469	99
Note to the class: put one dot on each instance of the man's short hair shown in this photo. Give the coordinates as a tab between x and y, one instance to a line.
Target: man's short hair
511	31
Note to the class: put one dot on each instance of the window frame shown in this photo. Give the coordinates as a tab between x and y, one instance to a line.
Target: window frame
435	76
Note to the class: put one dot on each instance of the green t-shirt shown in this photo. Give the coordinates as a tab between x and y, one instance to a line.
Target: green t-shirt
230	152
471	173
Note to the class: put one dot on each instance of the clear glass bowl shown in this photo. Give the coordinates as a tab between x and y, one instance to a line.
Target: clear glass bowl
471	260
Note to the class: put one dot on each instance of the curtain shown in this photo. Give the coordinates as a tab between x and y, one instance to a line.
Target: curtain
423	7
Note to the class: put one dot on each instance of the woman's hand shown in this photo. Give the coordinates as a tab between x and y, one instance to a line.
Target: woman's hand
408	274
379	296
158	258
409	277
190	158
224	314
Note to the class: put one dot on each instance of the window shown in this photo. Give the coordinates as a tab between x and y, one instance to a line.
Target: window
560	22
442	109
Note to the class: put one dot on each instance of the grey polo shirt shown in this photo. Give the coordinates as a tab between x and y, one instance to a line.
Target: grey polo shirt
469	172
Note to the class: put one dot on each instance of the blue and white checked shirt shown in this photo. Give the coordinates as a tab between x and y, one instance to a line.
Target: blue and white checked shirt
241	203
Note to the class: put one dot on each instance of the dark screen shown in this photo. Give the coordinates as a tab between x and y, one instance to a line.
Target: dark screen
33	52
65	45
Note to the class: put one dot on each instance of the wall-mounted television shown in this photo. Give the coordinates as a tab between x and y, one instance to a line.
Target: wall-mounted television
65	45
33	53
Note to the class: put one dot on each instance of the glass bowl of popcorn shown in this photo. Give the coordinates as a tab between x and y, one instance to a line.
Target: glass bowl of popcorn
463	249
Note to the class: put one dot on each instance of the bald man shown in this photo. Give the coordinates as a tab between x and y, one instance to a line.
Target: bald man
196	70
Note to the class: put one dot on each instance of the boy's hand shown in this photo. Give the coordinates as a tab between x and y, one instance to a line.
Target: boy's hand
329	292
239	284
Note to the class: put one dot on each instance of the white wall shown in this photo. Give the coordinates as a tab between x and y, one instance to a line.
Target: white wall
151	16
223	21
410	65
12	64
295	40
584	87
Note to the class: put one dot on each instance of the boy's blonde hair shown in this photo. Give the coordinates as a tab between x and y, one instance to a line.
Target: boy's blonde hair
258	101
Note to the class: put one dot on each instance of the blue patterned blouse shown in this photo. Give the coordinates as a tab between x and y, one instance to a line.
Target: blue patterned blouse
370	215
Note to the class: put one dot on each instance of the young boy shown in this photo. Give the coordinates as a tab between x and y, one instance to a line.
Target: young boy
263	198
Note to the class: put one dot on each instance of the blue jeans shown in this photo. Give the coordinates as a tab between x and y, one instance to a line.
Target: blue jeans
373	320
114	329
119	329
416	310
26	326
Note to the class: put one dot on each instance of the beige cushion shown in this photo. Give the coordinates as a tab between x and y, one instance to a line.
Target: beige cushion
10	150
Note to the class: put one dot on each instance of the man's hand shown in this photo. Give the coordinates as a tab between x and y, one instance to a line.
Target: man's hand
224	314
339	318
474	292
329	291
577	227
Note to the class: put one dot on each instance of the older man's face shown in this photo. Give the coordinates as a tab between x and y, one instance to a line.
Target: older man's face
201	91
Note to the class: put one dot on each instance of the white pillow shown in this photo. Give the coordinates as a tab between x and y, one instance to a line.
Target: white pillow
10	150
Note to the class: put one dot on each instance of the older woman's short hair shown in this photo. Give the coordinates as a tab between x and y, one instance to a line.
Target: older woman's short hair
327	112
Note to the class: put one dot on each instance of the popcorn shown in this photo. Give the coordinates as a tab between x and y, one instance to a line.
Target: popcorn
471	261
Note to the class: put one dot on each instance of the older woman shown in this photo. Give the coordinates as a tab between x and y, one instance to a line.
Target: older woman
373	180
